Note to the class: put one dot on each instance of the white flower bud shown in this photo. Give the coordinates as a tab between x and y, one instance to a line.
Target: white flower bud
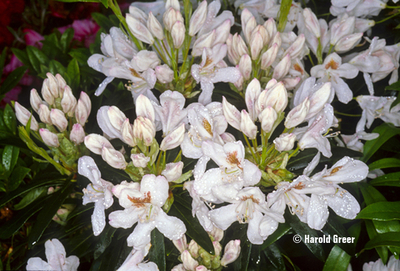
127	133
204	41
172	3
198	18
267	118
217	248
285	142
170	17
256	44
58	119
47	96
155	27
113	157
319	99
139	30
298	114
270	26
95	143
140	160
276	97
282	68
23	116
172	171
222	32
239	46
49	138
116	117
268	57
44	114
173	139
86	101
144	129
231	252
77	134
164	74
253	90
61	84
217	234
276	39
81	113
178	34
145	108
52	84
245	66
348	42
68	101
247	126
248	24
312	22
138	14
181	243
193	247
145	60
232	115
35	100
297	47
188	262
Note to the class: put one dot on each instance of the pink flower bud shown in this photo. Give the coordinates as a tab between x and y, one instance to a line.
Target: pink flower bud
247	126
173	139
139	30
270	26
222	32
232	115
269	56
217	248
178	34
312	22
267	118
95	143
172	171
282	68
23	116
193	247
47	96
181	244
140	160
276	97
35	100
44	114
58	119
285	142
248	24
217	234
49	138
253	90
68	101
61	84
298	114
231	252
188	262
239	46
52	84
144	130
81	113
348	42
116	117
198	18
277	39
145	60
155	27
86	101
127	133
204	41
164	74
77	134
245	66
170	17
113	157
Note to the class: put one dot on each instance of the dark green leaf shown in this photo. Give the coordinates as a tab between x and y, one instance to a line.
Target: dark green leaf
45	216
394	86
391	239
382	211
9	119
391	179
31	197
242	263
182	209
102	20
80	54
8	229
56	67
9	158
12	80
80	210
2	60
385	163
385	131
338	260
66	39
17	176
73	73
105	3
105	240
22	56
36	57
157	251
275	257
283	228
334	227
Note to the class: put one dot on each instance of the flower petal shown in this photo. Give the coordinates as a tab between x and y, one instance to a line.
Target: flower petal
223	217
140	236
171	227
344	204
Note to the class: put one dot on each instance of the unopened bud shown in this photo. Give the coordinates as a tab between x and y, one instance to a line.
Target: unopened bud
256	45
68	101
253	90
276	97
116	117
95	143
297	115
58	119
284	142
204	41
52	84
269	56
86	101
47	96
232	115
198	18
193	247
164	74
267	118
113	157
231	252
144	130
23	116
348	42
172	3
139	30
140	160
181	243
247	126
312	22
44	114
188	262
61	84
173	139
77	134
127	133
81	113
222	32
49	138
35	100
282	68
178	34
172	171
245	66
270	26
155	27
217	248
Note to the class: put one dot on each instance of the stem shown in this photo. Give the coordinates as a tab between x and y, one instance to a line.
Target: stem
294	152
387	18
178	157
250	147
312	62
349	115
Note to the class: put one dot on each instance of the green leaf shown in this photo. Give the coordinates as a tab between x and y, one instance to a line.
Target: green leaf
80	54
9	158
382	211
338	260
181	208
22	56
157	251
80	210
17	176
275	257
394	86
66	38
56	67
385	131
283	14
391	239
45	216
390	179
385	163
36	57
106	237
31	197
9	228
283	228
2	60
102	21
242	262
73	73
12	80
9	119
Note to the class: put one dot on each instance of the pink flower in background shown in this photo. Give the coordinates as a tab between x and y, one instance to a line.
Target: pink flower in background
85	30
33	38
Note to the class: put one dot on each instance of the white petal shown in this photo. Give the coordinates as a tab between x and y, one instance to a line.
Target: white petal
253	233
55	253
344	204
140	236
98	218
318	213
37	264
223	217
158	188
88	168
123	219
171	227
251	173
71	264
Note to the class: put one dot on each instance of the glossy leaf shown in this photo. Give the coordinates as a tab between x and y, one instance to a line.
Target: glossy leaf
10	157
157	250
382	211
390	179
66	38
22	56
338	260
385	163
9	119
275	257
36	57
105	240
73	73
12	79
102	20
282	229
391	239
31	197
17	176
385	131
2	60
